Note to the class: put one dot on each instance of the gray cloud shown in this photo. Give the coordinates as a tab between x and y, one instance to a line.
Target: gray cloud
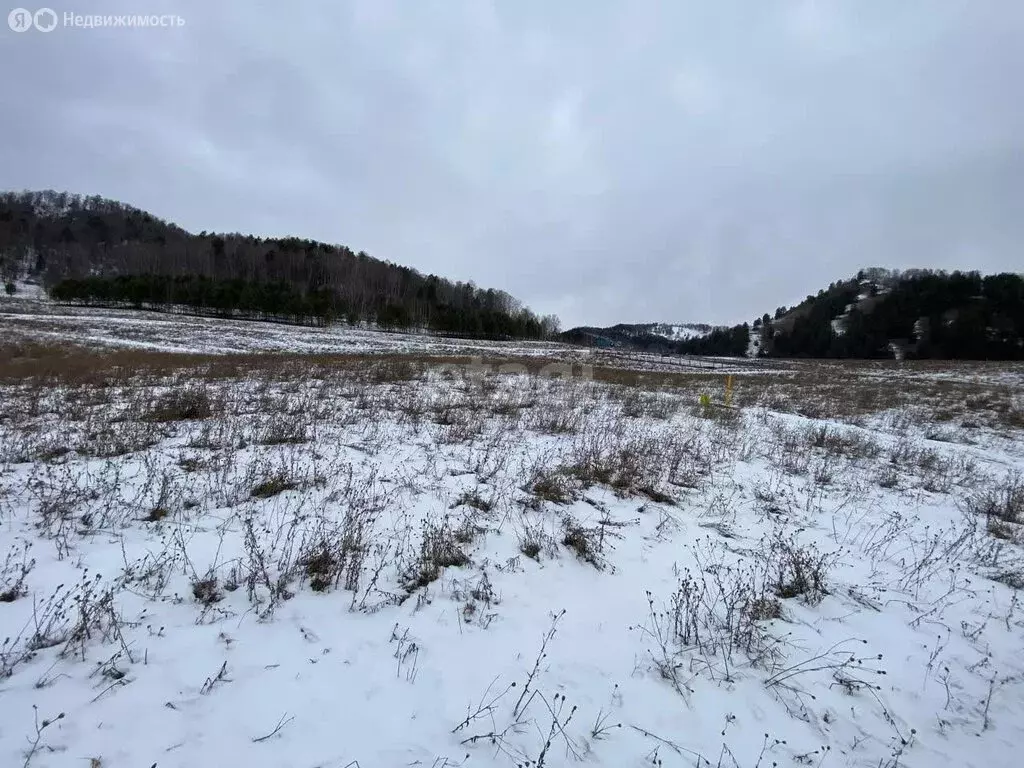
678	161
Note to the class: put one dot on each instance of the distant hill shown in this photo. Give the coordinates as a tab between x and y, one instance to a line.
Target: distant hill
664	338
98	251
638	335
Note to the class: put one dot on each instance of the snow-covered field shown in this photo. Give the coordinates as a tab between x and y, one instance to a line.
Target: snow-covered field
187	333
30	315
391	563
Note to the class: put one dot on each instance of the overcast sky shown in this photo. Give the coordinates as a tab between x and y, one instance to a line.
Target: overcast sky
677	161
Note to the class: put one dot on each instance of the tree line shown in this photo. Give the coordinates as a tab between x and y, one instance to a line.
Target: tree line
60	237
278	301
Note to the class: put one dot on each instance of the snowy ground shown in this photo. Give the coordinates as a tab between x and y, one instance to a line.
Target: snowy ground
388	563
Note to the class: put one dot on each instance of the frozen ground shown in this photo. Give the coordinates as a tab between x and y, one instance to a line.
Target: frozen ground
396	564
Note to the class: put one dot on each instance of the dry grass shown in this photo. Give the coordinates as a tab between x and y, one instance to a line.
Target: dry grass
820	388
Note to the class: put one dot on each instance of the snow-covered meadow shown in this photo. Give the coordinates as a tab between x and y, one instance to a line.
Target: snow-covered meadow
31	315
389	561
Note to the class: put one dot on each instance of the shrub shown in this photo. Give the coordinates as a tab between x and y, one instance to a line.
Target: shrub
439	549
530	547
283	429
1003	501
796	571
206	590
551	486
655	495
273	485
192	403
717	612
16	568
323	568
888	478
472	499
156	514
625	467
585	542
1000	529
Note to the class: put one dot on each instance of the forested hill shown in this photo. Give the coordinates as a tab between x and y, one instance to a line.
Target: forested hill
914	314
100	251
879	313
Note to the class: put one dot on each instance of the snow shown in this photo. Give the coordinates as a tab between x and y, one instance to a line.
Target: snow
679	332
26	293
911	656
